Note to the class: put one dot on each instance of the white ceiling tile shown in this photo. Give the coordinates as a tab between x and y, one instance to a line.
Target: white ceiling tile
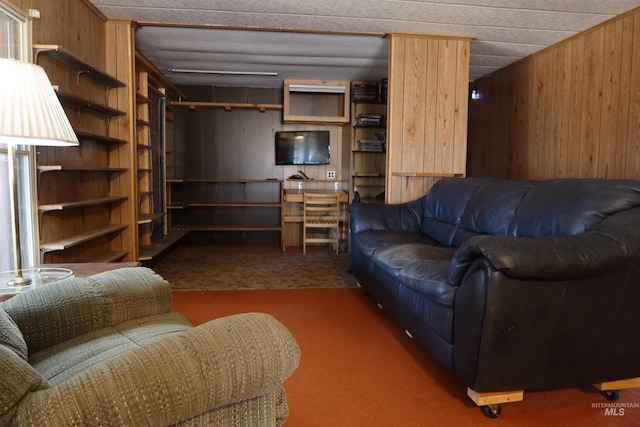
221	34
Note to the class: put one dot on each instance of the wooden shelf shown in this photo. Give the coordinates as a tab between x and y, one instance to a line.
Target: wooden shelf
368	175
66	96
230	205
85	136
59	54
149	252
314	180
226	228
61	168
63	244
142	99
79	204
427	174
111	257
222	181
148	218
227	105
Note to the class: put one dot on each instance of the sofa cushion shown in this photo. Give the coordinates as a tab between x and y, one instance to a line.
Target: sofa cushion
567	206
423	268
370	241
445	205
422	271
69	358
11	337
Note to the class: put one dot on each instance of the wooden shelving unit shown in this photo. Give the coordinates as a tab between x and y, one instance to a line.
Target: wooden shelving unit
79	209
240	205
149	215
368	164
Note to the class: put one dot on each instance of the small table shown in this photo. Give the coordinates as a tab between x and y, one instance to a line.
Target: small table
86	269
49	273
38	276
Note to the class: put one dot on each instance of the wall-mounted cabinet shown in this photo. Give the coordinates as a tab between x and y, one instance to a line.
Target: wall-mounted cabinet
316	101
78	205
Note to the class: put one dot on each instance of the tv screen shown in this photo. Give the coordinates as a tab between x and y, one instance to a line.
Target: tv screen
303	147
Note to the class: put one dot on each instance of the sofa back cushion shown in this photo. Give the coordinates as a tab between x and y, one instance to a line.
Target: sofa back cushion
445	205
492	208
457	209
571	206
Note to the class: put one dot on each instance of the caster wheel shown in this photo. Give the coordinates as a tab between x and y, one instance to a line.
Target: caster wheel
611	395
492	411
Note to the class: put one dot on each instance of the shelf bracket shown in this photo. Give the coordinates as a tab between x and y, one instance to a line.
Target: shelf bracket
42	254
78	75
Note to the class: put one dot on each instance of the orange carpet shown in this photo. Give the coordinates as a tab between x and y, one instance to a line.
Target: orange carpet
358	368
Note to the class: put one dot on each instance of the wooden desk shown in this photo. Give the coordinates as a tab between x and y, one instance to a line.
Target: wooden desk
294	214
296	195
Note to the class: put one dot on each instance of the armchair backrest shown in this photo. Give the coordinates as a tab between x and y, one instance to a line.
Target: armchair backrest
18	377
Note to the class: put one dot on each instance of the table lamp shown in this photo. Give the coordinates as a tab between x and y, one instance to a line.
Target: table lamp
30	114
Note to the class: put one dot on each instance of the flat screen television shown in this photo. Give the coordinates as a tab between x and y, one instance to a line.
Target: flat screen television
303	147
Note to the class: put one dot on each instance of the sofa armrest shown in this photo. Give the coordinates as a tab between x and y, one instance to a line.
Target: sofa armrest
72	307
221	362
404	217
544	258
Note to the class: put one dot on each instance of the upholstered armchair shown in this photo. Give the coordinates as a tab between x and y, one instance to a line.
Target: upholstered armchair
106	350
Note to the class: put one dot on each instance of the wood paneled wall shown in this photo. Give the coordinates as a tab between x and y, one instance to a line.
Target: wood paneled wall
120	63
427	112
239	144
572	110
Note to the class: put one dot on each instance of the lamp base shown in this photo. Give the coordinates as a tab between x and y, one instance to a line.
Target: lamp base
19	281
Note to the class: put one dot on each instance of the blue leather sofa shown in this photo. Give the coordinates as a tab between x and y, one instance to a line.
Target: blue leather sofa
512	284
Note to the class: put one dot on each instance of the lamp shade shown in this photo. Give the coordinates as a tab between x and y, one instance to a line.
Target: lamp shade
30	112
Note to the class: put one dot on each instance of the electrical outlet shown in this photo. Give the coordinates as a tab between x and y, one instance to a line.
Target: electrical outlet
331	174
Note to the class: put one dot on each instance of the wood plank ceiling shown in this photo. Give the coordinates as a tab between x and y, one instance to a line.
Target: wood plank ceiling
339	40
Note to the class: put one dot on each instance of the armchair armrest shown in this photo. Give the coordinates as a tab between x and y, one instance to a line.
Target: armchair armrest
72	307
403	217
218	363
544	258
